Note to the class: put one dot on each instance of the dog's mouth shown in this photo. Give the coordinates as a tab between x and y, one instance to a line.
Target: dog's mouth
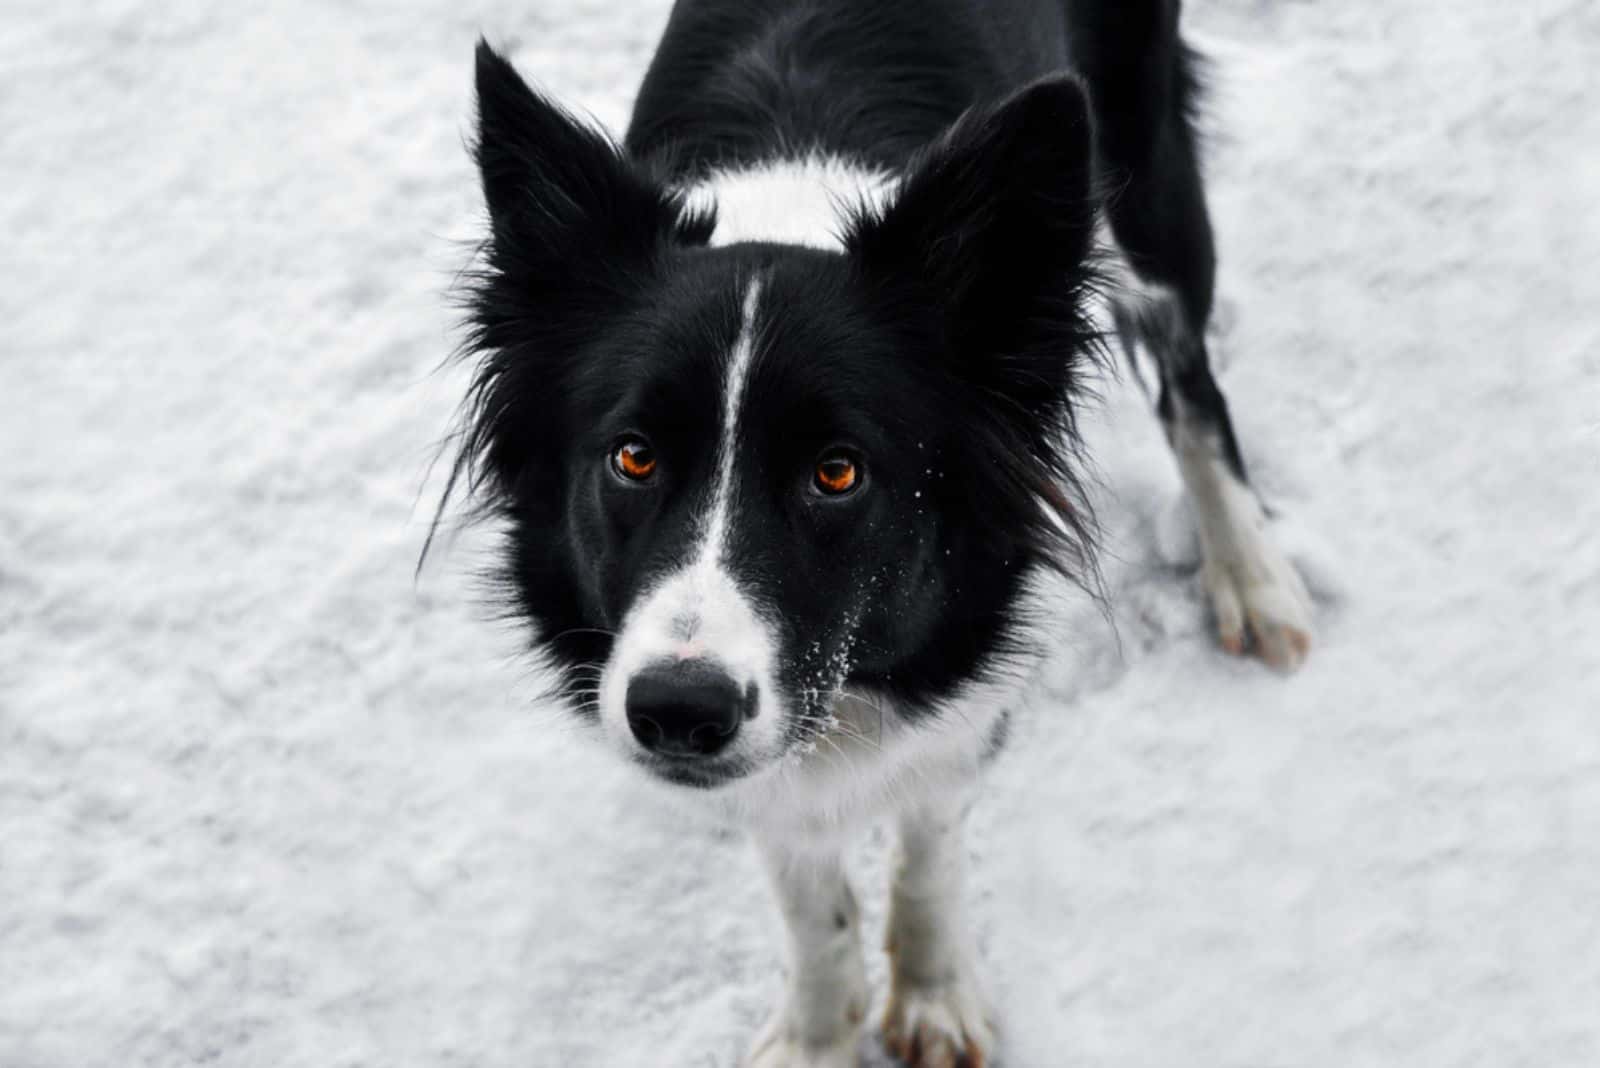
695	773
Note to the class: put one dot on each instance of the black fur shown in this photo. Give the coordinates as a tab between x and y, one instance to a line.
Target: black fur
944	343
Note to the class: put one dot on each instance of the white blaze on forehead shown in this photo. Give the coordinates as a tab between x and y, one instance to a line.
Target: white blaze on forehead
733	391
700	610
794	201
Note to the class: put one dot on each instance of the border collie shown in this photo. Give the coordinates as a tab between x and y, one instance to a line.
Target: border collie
776	400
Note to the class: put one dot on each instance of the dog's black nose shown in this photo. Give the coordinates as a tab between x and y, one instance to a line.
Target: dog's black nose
684	708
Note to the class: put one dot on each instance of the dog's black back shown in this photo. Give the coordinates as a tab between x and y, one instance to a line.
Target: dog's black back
736	82
740	81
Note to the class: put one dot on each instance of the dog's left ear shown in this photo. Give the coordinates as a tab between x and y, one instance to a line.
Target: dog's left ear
992	232
983	263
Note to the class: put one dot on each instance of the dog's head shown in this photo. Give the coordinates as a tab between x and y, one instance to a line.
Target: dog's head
742	480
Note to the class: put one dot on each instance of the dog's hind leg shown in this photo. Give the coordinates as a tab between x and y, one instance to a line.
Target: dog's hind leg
936	1013
1155	203
1253	588
820	1019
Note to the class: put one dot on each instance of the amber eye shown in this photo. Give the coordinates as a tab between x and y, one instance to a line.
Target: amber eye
837	473
634	459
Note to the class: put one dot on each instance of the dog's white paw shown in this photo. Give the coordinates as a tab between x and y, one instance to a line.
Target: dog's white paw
786	1052
781	1047
828	1040
1259	599
944	1026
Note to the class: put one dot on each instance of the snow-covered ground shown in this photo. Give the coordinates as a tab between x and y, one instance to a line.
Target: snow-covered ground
264	800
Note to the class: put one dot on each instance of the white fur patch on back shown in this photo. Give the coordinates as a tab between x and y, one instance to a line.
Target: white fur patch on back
794	202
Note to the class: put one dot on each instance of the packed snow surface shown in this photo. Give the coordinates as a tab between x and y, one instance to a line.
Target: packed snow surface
266	800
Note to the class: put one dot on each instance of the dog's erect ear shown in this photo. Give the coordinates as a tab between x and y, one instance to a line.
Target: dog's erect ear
575	227
551	180
995	224
983	261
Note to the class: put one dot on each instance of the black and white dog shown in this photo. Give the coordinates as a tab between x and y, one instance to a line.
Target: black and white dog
777	401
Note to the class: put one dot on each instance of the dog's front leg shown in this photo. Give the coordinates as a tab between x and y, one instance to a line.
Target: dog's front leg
936	1013
819	1021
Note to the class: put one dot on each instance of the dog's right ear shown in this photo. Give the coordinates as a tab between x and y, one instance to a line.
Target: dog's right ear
555	185
574	229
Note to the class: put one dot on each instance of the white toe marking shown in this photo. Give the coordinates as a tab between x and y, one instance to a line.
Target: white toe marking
825	1004
935	1003
1249	580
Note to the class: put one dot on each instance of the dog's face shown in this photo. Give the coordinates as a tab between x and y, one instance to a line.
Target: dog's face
741	481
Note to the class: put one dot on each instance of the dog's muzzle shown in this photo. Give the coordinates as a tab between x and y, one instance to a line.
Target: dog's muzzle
686	708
